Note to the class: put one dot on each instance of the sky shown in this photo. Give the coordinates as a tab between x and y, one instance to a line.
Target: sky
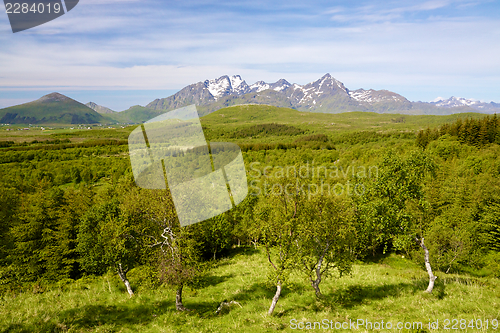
119	53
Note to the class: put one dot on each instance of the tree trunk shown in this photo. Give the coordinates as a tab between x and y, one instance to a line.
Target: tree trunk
275	298
178	299
123	276
432	277
315	283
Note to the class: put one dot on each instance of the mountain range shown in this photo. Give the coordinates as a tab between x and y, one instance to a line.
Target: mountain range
326	94
454	102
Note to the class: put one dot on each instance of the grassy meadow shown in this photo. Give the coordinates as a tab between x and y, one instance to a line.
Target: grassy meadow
388	289
384	287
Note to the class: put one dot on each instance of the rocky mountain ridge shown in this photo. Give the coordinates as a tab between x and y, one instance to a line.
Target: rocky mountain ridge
99	109
455	102
326	94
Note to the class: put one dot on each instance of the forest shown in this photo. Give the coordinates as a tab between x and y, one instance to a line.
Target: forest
354	215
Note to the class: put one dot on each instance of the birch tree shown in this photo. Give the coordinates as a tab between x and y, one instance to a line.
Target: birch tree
278	214
174	250
104	242
327	238
400	191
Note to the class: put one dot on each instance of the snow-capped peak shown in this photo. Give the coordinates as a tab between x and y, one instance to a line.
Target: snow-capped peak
259	86
279	85
375	96
226	85
327	82
218	87
238	85
453	102
437	99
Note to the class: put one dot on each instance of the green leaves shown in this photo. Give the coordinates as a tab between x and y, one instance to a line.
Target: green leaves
396	203
315	234
43	236
328	238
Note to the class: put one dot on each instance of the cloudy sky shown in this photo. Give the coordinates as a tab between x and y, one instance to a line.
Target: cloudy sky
119	53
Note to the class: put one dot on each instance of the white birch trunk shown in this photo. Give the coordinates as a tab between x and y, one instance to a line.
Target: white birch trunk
432	277
275	299
123	276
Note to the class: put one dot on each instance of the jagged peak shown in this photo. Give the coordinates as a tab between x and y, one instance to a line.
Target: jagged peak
99	108
329	81
283	81
225	85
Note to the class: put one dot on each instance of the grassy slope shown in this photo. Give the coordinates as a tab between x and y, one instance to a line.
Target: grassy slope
66	112
75	135
339	127
236	116
135	114
343	129
390	290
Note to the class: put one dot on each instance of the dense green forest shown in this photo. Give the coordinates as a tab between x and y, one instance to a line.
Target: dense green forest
327	195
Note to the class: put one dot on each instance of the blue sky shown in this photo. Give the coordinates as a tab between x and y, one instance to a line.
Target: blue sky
120	53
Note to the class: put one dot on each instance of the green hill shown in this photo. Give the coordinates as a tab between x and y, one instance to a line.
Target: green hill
246	115
135	114
53	108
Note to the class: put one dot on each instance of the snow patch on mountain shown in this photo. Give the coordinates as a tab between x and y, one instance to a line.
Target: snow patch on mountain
454	102
362	95
218	87
226	85
259	86
326	94
238	85
279	85
375	96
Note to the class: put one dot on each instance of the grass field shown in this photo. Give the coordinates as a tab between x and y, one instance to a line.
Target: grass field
390	289
231	119
253	114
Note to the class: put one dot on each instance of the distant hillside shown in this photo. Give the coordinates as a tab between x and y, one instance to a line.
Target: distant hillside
99	109
53	108
235	118
135	114
325	95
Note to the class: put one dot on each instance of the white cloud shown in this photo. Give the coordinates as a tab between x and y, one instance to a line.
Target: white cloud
425	6
115	47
